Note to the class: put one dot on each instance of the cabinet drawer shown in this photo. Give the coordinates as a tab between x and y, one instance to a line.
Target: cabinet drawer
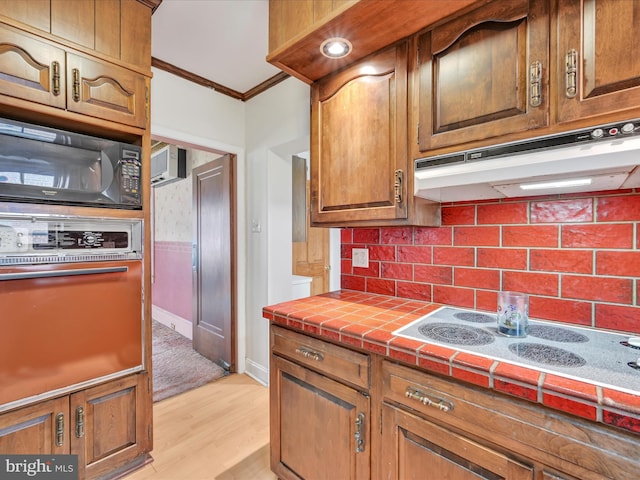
332	360
513	426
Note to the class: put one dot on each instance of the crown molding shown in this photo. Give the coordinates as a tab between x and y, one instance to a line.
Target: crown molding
205	82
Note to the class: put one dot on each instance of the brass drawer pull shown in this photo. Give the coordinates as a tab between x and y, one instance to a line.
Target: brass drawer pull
423	398
571	75
55	66
79	422
308	353
535	74
397	186
59	429
360	433
76	84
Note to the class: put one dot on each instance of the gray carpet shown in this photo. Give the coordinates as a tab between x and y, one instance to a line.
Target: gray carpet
177	367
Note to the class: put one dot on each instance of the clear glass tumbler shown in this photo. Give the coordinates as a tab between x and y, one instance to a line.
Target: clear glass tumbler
513	314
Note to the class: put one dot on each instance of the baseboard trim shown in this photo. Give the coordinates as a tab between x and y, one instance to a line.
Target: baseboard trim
173	321
258	372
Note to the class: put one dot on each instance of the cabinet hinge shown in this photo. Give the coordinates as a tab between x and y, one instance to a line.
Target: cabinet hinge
418	136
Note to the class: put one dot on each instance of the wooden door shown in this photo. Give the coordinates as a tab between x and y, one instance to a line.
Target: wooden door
214	262
36	13
311	257
600	41
110	425
104	90
416	448
31	69
315	424
359	141
42	428
475	75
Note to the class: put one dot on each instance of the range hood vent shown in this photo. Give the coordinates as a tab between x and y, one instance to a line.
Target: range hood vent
594	159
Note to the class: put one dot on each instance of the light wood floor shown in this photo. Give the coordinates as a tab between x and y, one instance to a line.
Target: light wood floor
218	431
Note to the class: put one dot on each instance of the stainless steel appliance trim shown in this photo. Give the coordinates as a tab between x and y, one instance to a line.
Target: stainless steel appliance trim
61	273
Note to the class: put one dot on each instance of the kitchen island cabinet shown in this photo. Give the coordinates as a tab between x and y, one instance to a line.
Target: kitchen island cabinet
358	177
445	411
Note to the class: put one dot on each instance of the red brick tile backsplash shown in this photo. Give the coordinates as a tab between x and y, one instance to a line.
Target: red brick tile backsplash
578	257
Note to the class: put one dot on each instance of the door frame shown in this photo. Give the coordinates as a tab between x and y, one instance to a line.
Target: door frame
238	231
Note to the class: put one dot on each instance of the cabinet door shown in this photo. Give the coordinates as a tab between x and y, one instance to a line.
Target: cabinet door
415	448
599	58
111	427
36	13
31	69
359	141
38	429
319	427
104	90
484	75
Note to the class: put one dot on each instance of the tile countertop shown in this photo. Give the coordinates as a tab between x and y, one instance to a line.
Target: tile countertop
366	321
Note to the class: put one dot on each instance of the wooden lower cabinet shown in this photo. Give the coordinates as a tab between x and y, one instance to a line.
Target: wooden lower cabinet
416	448
319	427
416	425
107	426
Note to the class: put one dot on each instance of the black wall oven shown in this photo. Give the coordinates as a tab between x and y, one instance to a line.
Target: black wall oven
45	165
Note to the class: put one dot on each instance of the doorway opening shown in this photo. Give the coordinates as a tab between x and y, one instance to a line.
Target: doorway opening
190	228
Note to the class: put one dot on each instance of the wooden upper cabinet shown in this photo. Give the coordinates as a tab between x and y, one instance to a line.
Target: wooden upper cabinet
484	74
36	13
358	144
103	90
31	69
288	19
118	29
598	52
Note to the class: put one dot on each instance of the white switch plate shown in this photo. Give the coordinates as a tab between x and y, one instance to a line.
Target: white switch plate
360	257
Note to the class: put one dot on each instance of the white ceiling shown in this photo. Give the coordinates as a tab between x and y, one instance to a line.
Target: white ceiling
224	41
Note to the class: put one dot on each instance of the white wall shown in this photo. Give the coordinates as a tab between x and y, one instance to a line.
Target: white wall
277	126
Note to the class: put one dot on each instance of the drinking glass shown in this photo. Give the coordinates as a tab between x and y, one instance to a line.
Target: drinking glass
513	314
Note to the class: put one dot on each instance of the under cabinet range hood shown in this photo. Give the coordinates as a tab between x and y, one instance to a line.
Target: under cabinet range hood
595	159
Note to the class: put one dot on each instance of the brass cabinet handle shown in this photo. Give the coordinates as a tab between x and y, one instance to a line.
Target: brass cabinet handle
571	73
535	76
359	435
79	422
76	84
55	67
426	399
397	185
60	429
308	353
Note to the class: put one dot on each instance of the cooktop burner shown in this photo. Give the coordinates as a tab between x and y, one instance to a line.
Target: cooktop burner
475	317
558	334
601	357
456	334
547	354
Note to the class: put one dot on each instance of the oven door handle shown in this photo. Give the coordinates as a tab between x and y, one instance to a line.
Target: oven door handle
60	273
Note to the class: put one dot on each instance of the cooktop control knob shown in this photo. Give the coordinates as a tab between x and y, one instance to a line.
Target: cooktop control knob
627	128
597	133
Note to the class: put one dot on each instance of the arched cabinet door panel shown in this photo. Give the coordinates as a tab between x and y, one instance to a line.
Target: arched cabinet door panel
483	75
31	69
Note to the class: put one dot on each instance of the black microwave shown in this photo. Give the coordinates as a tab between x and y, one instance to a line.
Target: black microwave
44	165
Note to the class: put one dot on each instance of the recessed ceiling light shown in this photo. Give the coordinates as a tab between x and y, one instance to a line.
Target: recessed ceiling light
336	47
